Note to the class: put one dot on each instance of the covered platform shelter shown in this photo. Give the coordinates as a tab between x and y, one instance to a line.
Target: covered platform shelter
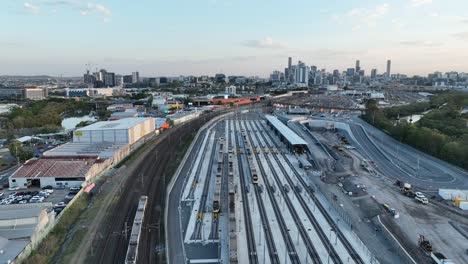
286	135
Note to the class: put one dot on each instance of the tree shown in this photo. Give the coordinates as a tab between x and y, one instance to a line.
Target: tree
170	121
18	151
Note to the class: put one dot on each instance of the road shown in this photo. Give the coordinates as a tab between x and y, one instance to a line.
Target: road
396	160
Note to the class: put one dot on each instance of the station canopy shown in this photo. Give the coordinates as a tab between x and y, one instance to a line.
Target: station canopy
285	131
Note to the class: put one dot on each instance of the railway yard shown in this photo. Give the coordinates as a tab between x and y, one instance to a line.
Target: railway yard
253	190
245	199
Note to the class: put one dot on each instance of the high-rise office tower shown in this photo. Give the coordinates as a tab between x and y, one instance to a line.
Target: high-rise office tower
290	75
336	73
358	67
109	79
302	73
135	77
389	65
350	72
373	73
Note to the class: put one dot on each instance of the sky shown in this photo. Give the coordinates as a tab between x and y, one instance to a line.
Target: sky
235	37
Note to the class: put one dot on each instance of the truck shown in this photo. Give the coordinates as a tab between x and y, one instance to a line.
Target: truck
439	258
408	190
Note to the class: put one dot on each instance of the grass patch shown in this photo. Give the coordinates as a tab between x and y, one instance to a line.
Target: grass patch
51	243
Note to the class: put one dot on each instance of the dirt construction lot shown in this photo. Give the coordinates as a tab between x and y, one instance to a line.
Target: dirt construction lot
447	230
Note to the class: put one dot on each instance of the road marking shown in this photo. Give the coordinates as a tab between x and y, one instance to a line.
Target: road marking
396	240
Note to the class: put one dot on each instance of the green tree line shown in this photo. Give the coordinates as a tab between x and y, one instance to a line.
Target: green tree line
442	132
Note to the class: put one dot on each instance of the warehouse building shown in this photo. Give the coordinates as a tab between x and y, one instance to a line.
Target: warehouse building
21	227
127	130
57	172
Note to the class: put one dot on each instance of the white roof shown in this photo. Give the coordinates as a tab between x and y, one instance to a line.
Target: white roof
27	138
125	123
292	137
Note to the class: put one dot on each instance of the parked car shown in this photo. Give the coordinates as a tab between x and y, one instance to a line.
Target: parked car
75	188
13	188
73	192
43	194
69	196
49	191
58	210
60	204
23	201
60	187
47	187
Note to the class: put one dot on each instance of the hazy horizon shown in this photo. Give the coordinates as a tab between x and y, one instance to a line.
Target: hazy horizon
252	38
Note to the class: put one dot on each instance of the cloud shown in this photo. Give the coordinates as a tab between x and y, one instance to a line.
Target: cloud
81	7
420	43
364	16
264	43
416	3
461	35
34	9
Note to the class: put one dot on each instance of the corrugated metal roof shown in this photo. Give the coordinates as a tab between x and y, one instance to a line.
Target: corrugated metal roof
125	123
54	168
287	133
102	149
19	213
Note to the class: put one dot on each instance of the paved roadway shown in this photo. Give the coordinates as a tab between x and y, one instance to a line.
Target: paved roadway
396	160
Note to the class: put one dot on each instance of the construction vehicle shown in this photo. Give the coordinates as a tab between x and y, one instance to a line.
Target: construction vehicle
425	244
407	190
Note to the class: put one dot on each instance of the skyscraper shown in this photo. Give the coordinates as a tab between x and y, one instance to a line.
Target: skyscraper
289	76
109	79
373	73
350	72
389	65
358	67
302	74
135	77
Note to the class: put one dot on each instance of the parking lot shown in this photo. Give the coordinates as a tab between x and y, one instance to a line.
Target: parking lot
58	197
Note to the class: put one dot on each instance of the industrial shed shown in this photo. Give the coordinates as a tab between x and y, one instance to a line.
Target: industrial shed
57	172
127	130
286	135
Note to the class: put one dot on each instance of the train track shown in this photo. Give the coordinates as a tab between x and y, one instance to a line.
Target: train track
323	238
200	164
274	258
110	245
197	234
251	246
289	243
351	251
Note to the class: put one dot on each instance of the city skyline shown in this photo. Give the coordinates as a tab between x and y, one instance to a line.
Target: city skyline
60	37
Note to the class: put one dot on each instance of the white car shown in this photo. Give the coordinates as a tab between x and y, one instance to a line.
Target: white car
23	201
419	194
13	188
49	191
